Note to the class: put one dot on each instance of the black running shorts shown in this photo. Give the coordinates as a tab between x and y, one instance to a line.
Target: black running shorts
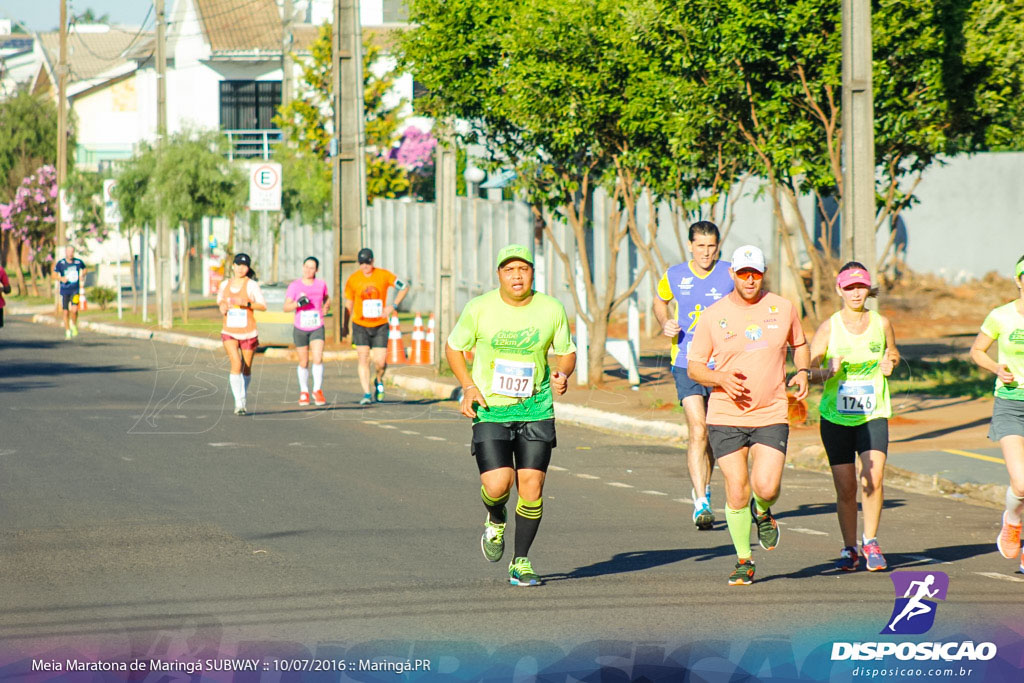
725	440
842	443
519	445
302	337
374	337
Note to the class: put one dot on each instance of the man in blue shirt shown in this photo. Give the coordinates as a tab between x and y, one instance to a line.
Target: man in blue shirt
71	273
694	285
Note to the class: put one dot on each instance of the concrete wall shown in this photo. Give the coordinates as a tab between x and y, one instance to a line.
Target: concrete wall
970	218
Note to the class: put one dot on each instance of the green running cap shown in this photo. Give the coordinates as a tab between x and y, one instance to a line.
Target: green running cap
515	251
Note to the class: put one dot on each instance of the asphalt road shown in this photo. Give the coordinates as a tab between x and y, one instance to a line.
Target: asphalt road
139	514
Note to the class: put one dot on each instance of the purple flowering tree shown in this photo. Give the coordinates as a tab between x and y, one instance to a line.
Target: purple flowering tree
416	154
29	219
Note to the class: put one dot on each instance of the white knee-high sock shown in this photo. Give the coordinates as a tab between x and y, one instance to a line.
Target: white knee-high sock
237	388
318	376
245	384
1014	507
304	379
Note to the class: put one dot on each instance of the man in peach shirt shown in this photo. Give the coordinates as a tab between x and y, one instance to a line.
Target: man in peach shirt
748	334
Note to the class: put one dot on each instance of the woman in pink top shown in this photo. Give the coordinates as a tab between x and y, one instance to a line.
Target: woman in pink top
5	288
307	296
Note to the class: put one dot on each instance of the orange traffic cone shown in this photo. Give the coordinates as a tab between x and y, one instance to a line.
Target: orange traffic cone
428	343
396	349
83	303
419	342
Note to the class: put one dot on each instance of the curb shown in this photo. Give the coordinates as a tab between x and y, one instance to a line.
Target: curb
27	310
136	333
992	495
290	354
567	412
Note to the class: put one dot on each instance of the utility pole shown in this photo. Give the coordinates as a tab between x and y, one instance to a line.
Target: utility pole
165	313
444	246
858	209
62	138
348	179
288	12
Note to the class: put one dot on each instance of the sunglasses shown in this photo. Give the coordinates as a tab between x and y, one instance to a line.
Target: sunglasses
750	275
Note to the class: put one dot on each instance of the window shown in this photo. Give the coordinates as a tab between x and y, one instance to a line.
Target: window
395	12
249	105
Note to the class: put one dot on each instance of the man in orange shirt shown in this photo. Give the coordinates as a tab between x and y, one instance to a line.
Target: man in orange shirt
748	333
366	295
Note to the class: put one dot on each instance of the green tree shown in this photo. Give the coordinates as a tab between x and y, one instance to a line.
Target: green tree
307	123
27	142
549	89
186	180
193	179
769	72
134	197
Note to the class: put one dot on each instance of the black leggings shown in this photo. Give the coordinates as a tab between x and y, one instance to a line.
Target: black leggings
519	445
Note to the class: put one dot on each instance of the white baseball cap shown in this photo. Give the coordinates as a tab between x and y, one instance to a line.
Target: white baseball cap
748	256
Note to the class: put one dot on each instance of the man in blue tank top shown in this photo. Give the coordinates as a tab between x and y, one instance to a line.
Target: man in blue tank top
694	285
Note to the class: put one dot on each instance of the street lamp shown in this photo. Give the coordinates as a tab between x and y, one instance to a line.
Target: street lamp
474	176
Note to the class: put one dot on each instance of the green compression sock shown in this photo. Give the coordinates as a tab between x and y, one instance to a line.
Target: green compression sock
739	528
762	504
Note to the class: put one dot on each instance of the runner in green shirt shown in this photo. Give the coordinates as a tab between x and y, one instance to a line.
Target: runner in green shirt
856	351
1006	325
509	397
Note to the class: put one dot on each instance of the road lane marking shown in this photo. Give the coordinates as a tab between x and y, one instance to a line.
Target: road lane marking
369	422
654	493
587	476
976	456
435	438
997	575
387	426
620	485
925	559
410	432
809	532
556	468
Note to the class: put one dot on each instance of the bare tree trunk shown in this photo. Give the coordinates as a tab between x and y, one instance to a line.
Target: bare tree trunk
229	248
33	274
186	268
276	258
19	274
131	269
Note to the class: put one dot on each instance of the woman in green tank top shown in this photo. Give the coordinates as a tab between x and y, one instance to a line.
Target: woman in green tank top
854	352
1005	326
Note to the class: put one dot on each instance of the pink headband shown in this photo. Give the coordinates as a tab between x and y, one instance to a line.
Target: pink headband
853	276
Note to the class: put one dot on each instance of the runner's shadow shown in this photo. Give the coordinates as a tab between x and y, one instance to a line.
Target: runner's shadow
813	509
824	568
949	553
623	563
12	370
942	432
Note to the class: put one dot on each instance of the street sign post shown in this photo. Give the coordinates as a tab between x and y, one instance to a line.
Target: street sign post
265	186
111	209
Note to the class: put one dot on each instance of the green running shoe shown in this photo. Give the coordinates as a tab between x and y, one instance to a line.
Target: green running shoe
520	573
492	541
767	528
743	574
